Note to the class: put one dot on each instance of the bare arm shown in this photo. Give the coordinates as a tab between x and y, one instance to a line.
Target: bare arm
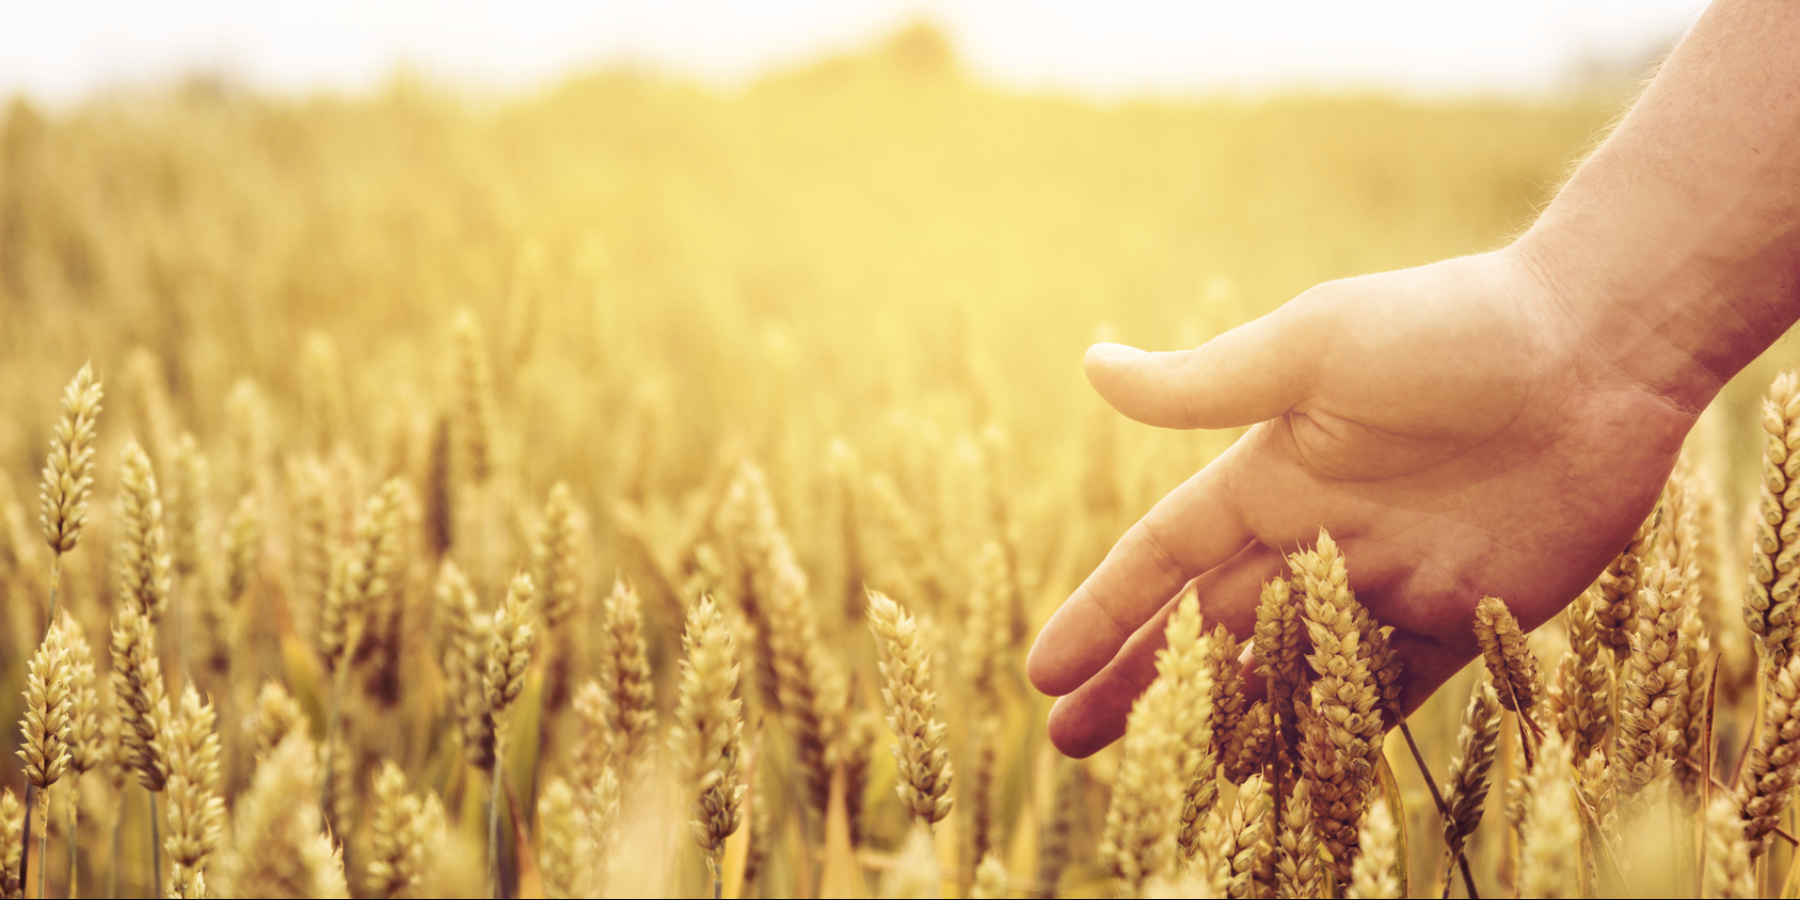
1678	241
1496	424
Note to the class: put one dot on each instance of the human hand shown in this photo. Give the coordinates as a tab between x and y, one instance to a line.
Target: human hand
1460	429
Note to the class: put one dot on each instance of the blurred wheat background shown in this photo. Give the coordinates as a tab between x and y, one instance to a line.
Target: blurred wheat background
839	311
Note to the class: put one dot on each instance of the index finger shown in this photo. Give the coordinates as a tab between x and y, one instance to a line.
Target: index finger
1190	531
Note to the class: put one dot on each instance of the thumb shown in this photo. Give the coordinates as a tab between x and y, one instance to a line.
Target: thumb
1249	374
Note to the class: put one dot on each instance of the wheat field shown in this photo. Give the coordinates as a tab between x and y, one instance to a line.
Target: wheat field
640	489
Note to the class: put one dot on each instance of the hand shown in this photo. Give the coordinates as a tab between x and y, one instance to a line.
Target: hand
1459	429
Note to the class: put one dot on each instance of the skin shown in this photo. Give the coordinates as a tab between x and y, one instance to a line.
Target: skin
1495	424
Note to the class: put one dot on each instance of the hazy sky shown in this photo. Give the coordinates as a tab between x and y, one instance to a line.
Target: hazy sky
60	50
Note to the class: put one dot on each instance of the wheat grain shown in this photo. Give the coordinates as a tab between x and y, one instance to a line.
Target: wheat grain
557	564
1187	659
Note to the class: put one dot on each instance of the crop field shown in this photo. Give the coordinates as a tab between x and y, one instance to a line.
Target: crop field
639	489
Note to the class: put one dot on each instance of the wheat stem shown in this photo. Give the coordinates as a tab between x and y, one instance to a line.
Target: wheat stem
44	843
494	797
25	854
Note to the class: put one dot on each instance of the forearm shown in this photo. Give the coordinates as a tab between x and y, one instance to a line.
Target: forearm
1677	244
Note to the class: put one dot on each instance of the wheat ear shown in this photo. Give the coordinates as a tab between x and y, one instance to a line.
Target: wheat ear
1770	600
49	684
626	691
1141	839
557	561
279	847
1580	696
708	733
1374	877
1297	869
1617	587
912	707
1767	782
1648	695
143	562
510	642
1550	830
397	845
1341	746
1468	783
68	477
196	811
1728	874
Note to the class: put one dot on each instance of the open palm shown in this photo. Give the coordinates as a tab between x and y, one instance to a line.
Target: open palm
1456	428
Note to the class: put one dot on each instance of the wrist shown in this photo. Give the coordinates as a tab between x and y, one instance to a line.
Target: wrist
1669	321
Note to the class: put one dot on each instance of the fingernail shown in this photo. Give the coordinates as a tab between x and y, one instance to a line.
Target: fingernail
1114	351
